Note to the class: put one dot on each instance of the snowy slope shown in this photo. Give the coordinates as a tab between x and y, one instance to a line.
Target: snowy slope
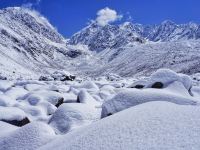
180	56
28	43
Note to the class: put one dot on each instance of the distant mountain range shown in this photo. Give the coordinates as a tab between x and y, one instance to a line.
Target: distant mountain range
111	36
31	46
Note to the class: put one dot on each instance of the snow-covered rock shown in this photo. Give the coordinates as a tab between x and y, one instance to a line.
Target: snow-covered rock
6	101
133	97
36	97
5	128
166	77
5	85
29	137
86	98
14	116
70	116
153	125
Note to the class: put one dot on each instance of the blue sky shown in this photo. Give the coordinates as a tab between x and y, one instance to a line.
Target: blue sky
69	16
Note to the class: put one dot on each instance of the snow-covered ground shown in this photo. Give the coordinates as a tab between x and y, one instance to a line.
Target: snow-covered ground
101	89
103	113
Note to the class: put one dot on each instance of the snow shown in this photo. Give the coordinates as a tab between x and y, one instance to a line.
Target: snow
29	137
89	85
16	92
175	93
5	85
167	76
34	98
6	101
70	116
5	128
85	97
68	84
11	113
153	125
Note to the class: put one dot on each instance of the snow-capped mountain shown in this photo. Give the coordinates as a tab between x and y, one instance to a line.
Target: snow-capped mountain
30	46
99	38
170	31
114	36
28	42
129	49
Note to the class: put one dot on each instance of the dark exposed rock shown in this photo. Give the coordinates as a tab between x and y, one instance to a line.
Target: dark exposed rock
18	123
138	86
60	102
68	78
157	85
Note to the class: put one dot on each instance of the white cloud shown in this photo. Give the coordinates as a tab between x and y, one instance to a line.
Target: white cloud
106	16
31	4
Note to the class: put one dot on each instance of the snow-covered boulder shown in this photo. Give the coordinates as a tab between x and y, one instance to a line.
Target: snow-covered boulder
29	137
133	97
150	126
5	128
46	78
113	77
36	97
140	84
163	77
70	116
13	115
62	76
86	98
16	92
2	77
5	85
6	101
88	85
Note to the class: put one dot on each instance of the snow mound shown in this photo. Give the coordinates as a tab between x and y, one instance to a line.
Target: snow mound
6	101
35	98
16	92
153	125
5	85
166	77
70	116
5	128
29	137
88	85
85	97
133	97
11	113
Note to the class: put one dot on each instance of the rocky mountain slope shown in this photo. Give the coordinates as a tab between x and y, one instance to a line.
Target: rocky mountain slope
134	49
31	46
99	38
28	43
